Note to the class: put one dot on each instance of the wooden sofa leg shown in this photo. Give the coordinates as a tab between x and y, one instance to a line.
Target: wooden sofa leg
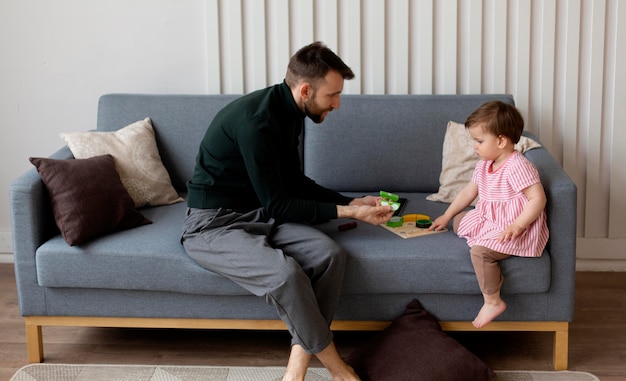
34	342
561	342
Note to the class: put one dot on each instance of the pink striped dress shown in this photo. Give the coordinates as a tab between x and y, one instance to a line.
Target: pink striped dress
500	201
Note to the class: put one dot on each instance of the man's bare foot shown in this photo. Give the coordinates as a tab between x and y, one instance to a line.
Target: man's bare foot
338	369
347	375
298	364
488	312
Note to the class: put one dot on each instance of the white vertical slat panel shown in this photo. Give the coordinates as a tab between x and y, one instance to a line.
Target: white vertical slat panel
566	93
606	110
301	16
542	76
518	74
327	23
397	47
596	195
232	46
547	86
495	27
278	39
583	115
214	70
422	50
255	50
374	46
350	42
470	47
445	44
617	209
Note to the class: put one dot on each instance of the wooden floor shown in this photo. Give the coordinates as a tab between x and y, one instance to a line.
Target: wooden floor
597	339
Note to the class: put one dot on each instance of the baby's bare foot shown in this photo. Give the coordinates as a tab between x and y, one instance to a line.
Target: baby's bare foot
488	312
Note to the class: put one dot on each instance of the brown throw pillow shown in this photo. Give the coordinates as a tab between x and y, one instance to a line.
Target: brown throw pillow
413	348
88	198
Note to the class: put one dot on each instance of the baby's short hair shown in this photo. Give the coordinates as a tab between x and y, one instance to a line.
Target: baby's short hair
498	118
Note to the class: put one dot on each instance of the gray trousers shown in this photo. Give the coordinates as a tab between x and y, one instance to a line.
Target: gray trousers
296	268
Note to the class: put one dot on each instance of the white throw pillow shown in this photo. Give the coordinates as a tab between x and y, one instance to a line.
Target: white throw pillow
459	160
136	157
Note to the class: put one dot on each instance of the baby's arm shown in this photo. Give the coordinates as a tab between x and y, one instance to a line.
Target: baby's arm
461	201
536	203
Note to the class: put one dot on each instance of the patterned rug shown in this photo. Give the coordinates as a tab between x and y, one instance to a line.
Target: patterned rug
66	372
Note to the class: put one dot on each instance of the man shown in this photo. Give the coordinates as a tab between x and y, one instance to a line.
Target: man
251	208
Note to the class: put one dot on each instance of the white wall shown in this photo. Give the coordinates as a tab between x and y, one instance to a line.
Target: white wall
58	57
559	58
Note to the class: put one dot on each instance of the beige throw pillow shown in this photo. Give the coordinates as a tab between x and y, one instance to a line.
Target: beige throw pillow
459	160
136	157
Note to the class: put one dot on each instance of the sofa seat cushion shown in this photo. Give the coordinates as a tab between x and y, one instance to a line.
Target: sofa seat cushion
151	257
382	262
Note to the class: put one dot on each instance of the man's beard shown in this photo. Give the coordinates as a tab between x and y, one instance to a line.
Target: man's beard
314	113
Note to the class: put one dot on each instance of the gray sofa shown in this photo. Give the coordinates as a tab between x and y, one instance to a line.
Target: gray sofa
142	277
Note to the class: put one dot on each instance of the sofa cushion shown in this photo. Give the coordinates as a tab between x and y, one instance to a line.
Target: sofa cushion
154	260
88	199
136	157
400	146
414	347
179	121
379	261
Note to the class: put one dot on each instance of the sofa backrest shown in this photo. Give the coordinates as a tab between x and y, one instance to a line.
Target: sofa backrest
373	142
385	142
179	122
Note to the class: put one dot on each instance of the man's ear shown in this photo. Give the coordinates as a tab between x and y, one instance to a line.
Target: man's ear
305	90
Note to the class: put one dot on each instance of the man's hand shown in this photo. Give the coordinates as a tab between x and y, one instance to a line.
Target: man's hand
366	200
374	215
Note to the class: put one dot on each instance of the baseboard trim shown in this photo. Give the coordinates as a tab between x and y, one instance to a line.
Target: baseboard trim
6	243
601	265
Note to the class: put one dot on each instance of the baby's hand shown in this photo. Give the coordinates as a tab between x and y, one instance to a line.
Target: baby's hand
510	233
439	223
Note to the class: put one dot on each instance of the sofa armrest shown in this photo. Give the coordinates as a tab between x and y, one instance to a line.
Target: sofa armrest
32	224
561	206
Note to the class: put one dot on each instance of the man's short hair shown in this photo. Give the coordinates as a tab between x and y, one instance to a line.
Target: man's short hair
312	62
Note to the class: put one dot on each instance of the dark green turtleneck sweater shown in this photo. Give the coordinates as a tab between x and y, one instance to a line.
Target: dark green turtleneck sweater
249	158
